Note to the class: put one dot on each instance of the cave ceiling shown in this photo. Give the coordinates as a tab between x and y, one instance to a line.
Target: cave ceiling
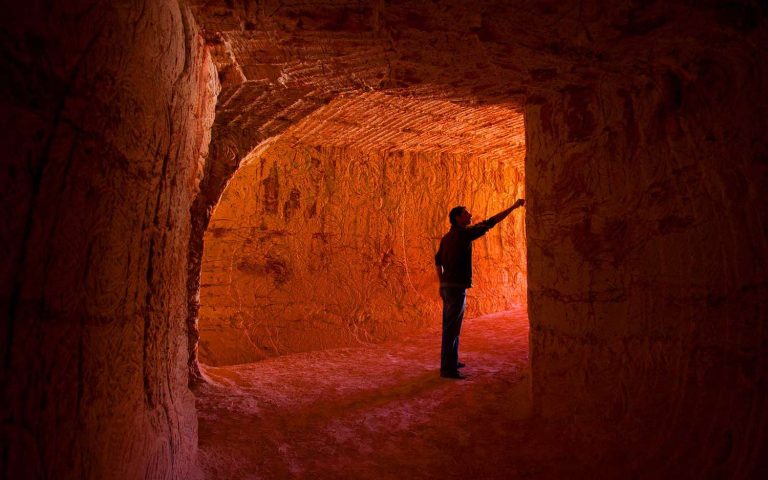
279	61
377	121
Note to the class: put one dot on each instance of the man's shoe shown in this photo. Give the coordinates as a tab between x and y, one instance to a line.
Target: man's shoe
455	375
462	365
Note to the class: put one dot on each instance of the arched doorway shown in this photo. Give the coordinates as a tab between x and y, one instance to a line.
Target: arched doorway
324	238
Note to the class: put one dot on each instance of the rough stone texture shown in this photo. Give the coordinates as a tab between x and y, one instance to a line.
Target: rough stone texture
106	114
645	177
379	411
646	183
647	260
271	78
328	245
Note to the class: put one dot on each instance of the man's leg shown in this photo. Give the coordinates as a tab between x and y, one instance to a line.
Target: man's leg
453	312
462	301
445	345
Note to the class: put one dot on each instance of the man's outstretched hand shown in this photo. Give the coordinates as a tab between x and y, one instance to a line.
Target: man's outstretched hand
503	214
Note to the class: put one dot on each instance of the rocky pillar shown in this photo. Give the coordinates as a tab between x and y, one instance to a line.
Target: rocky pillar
647	253
106	114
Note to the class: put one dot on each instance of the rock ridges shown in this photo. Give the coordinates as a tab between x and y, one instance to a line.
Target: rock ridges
106	114
326	237
644	135
645	178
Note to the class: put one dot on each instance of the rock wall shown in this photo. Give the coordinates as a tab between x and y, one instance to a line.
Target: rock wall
645	179
106	114
316	247
269	81
646	183
647	254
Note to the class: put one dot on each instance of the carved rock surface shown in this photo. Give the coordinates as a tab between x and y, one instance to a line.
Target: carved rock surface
645	178
327	237
644	300
108	110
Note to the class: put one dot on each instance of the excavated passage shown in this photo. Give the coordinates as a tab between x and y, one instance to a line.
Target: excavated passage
326	237
646	180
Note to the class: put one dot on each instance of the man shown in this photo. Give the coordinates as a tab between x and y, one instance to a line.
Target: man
454	269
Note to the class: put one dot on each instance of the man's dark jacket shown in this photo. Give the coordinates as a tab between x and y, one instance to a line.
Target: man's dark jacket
455	253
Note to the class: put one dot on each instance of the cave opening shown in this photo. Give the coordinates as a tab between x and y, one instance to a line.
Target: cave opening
325	235
320	317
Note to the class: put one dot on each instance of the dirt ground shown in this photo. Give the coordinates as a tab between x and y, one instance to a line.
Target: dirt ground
382	411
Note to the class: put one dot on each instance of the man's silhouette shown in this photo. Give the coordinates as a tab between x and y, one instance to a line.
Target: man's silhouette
454	269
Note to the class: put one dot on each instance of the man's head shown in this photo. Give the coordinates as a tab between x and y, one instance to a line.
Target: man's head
460	216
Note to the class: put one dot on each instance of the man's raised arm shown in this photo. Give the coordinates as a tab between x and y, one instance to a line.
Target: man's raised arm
503	214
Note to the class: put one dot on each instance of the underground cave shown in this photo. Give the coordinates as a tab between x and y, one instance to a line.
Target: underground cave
149	143
325	238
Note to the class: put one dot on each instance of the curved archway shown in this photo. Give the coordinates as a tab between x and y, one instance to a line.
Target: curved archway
325	238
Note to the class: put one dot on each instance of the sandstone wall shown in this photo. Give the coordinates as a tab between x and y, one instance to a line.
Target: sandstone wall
645	180
106	112
317	247
647	254
646	185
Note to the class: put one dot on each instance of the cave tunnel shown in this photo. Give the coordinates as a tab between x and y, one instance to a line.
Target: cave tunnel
172	167
326	236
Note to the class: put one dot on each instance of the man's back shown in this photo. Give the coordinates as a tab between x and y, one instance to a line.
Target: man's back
455	253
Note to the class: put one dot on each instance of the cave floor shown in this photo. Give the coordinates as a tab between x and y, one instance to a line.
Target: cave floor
382	411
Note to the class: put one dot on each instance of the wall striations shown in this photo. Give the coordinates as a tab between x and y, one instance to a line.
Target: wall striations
645	179
108	110
321	247
647	258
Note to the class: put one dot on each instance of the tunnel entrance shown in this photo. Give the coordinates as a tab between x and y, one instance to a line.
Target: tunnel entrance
324	238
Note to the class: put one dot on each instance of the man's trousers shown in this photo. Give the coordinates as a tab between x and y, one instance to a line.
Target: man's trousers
454	302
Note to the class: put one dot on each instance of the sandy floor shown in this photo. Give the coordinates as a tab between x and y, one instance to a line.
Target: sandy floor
383	412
